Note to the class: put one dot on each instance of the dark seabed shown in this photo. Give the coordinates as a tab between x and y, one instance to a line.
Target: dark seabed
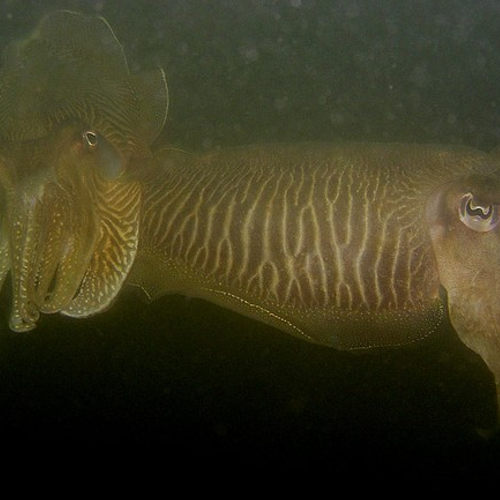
204	385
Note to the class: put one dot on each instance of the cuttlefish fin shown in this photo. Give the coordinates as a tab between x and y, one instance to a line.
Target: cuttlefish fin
4	254
154	105
73	67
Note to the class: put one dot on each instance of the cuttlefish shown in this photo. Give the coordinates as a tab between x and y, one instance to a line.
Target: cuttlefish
349	245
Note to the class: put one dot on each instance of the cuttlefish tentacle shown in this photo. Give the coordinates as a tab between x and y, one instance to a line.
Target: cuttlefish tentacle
24	239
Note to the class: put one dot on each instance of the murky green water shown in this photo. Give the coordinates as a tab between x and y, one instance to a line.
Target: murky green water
186	376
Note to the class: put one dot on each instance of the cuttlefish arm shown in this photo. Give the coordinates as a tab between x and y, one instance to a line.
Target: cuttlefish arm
74	125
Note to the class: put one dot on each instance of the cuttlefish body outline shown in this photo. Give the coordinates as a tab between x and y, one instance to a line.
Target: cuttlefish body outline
350	245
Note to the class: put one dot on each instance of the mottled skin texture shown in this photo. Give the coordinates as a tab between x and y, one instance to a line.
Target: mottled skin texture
346	245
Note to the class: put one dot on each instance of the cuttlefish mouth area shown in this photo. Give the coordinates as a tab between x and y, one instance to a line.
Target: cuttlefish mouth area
50	246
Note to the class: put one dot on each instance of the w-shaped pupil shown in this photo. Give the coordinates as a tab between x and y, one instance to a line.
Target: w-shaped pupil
478	210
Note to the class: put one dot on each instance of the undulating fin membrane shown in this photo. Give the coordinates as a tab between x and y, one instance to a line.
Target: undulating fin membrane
73	66
4	252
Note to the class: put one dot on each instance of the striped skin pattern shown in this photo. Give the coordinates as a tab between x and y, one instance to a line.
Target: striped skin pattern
326	242
114	251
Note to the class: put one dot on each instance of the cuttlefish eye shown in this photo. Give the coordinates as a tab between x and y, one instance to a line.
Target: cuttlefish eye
478	216
108	159
90	139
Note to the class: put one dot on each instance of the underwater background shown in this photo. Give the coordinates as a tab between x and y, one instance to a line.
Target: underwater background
191	380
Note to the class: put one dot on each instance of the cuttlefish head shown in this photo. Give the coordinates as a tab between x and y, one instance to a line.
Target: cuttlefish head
464	223
75	126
